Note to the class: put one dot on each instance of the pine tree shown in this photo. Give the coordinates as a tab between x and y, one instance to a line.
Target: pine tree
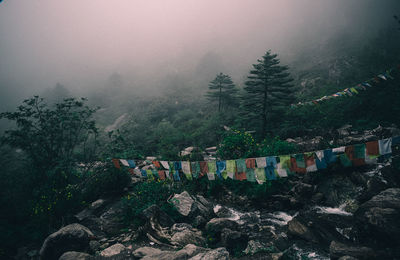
223	90
268	90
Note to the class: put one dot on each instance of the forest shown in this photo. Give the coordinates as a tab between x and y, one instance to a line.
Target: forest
57	144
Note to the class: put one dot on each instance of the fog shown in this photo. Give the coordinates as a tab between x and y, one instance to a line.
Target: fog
81	43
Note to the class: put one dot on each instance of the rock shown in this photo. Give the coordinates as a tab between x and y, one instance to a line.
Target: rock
379	217
162	217
338	250
146	251
254	247
298	229
183	203
73	237
192	206
233	240
97	204
303	190
72	255
321	225
216	225
347	257
113	250
199	221
94	245
187	236
216	254
111	220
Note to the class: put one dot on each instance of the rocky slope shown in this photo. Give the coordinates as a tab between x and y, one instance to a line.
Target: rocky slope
336	214
339	213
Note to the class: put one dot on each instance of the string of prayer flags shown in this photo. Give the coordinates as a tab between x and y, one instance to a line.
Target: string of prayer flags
263	169
353	90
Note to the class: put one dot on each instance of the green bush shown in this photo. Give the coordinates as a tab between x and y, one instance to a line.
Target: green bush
236	144
145	194
104	180
275	146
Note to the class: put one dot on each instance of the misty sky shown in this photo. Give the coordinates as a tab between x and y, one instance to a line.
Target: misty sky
81	43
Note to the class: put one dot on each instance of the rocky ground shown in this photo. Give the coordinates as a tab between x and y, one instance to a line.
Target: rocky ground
333	214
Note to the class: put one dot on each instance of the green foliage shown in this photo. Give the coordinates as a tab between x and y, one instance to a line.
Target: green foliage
42	151
101	180
222	90
275	146
268	91
50	135
146	194
236	144
239	144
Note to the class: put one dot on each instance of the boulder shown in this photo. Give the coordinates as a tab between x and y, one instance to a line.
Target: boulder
113	250
337	250
146	251
216	254
184	234
379	218
154	211
300	230
347	257
233	240
149	253
216	225
183	203
254	247
72	255
111	220
191	206
73	237
321	225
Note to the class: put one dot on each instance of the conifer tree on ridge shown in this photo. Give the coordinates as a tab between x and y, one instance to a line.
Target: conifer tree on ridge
222	89
268	90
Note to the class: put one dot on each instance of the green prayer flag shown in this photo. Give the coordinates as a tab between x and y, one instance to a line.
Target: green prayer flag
241	165
195	169
250	175
344	160
212	167
231	166
300	160
150	175
260	174
359	151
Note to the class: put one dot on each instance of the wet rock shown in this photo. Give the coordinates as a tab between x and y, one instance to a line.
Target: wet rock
191	206
379	217
321	225
113	250
149	253
298	229
216	225
199	222
216	254
111	221
338	250
184	234
347	257
183	203
146	251
73	237
154	211
72	255
94	245
303	190
233	240
254	247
